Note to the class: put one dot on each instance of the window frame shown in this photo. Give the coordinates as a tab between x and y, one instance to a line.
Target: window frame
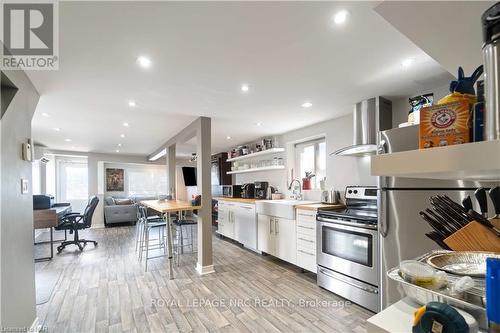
299	146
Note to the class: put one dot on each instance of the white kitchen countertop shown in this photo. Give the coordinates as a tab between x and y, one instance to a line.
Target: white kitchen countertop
398	318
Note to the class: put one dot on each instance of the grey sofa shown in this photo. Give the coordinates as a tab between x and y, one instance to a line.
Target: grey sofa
122	213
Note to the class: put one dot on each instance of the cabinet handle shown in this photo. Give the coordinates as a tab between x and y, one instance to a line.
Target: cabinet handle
276	223
306	215
301	226
246	207
305	252
305	240
271	226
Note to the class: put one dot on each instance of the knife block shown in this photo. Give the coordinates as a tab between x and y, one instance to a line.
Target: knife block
496	223
474	237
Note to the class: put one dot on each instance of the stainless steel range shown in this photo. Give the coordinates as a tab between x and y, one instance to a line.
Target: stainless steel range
347	248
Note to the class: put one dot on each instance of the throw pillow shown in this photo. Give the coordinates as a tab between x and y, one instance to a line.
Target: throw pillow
123	202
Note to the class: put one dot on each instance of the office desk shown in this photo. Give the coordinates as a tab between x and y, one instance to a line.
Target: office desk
48	219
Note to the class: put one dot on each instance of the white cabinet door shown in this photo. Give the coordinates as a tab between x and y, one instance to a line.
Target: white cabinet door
225	224
245	226
265	234
286	240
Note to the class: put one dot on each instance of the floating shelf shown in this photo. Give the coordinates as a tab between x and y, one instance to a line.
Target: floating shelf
258	154
478	161
270	168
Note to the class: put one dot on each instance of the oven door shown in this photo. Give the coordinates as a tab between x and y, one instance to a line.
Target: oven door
348	248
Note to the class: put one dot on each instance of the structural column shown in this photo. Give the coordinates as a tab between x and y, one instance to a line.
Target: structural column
204	181
171	170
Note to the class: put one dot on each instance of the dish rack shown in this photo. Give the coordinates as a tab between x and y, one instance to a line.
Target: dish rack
473	301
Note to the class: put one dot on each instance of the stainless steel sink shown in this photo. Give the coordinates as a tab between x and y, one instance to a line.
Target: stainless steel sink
280	208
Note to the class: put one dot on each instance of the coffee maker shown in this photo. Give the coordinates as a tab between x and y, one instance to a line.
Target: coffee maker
261	190
248	191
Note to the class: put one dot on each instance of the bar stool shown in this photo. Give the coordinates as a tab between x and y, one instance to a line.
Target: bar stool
180	244
144	242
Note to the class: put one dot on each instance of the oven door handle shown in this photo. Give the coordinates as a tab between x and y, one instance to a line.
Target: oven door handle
355	285
347	223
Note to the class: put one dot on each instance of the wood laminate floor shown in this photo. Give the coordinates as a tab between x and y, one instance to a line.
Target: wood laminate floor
106	290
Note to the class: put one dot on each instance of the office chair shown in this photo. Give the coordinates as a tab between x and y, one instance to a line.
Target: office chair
74	222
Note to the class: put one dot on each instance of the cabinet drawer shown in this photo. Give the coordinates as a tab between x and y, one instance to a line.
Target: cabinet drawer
306	230
306	244
306	260
306	215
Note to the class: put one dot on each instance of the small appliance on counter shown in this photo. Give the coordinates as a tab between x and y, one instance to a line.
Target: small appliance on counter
231	191
248	191
330	197
261	190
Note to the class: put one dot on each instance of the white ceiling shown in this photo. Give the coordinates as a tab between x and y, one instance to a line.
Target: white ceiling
458	24
288	52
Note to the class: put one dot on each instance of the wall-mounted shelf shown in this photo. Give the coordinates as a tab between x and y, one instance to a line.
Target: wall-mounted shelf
257	154
478	161
269	168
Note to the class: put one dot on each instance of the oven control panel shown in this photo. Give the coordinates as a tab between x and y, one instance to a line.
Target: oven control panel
361	192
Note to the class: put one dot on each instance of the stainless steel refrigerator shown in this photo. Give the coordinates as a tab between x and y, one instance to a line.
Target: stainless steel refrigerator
401	230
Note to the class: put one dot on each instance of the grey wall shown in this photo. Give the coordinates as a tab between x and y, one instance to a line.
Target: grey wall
17	276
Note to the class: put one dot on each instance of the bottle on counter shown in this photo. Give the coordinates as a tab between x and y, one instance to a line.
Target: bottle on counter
493	294
478	114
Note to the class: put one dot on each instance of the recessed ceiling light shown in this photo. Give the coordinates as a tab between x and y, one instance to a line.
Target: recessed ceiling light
118	150
125	124
407	62
122	135
144	62
72	147
131	104
245	87
45	114
67	140
340	17
57	129
228	137
119	145
307	105
258	124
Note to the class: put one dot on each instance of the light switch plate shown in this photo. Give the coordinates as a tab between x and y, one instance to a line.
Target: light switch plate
24	186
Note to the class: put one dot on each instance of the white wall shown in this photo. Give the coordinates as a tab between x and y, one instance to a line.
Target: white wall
183	192
17	274
127	167
340	170
96	163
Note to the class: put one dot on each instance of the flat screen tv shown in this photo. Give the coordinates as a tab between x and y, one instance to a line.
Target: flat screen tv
189	174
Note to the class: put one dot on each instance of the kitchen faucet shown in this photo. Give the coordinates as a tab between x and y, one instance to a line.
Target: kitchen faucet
295	195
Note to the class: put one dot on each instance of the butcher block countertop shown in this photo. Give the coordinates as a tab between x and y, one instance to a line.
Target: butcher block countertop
241	200
317	206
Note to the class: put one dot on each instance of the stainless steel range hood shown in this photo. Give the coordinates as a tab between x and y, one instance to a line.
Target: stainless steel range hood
370	117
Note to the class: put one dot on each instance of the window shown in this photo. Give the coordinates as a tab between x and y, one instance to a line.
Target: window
310	156
36	177
147	181
72	182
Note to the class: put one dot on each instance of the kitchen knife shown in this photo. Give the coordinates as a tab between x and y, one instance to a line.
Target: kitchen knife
480	195
438	239
434	225
467	203
495	198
